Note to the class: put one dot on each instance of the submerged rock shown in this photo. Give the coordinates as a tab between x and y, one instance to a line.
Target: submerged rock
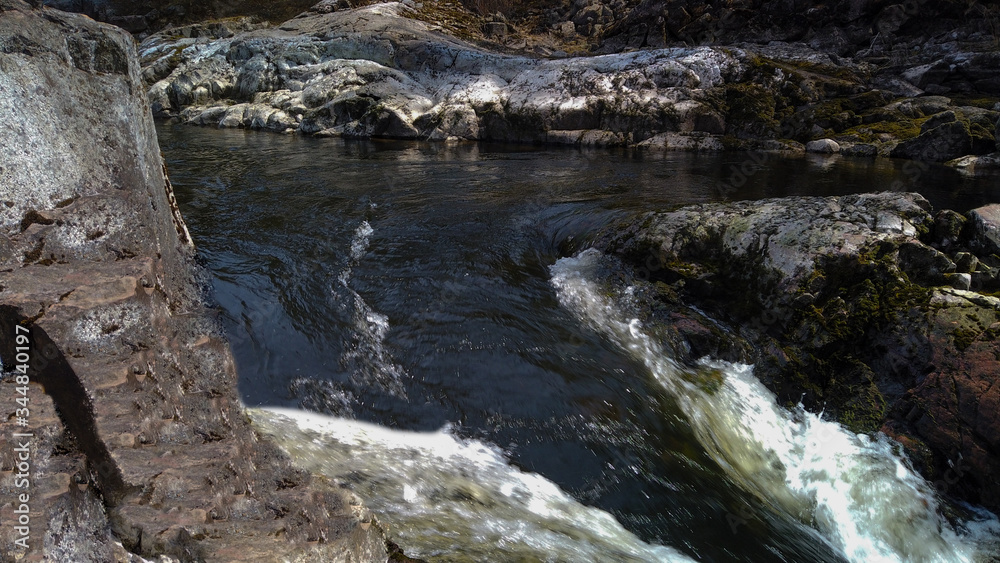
857	305
139	443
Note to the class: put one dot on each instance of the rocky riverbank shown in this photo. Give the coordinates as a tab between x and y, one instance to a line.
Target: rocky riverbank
872	308
384	70
132	439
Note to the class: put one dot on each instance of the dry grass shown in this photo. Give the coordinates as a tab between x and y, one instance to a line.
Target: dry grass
488	7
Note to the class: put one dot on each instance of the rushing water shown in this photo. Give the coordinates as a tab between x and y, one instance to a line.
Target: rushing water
492	398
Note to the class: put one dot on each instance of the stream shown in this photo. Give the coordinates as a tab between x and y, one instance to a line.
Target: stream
405	321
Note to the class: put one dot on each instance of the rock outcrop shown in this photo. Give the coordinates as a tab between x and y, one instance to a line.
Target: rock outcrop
857	305
383	71
374	72
137	444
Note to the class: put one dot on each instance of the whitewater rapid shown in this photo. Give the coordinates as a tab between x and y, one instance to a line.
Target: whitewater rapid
446	498
449	499
861	495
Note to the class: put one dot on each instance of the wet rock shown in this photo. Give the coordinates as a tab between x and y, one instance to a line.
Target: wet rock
860	149
947	141
850	312
985	228
972	165
685	142
140	439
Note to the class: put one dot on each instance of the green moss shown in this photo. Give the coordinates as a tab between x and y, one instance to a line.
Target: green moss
902	130
709	380
964	337
832	73
834	115
733	143
979	102
865	101
866	411
980	133
665	292
858	295
751	111
176	56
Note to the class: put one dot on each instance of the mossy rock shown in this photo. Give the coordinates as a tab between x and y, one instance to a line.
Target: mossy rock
866	411
865	102
939	144
901	130
751	112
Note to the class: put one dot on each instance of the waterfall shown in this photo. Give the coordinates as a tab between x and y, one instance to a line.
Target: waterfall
855	490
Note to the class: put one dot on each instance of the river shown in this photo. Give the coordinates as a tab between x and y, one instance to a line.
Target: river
405	319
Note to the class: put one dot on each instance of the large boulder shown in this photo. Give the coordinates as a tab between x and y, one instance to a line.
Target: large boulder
823	146
945	141
984	223
950	134
137	441
854	305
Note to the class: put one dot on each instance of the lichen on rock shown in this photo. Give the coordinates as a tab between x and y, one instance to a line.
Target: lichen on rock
854	305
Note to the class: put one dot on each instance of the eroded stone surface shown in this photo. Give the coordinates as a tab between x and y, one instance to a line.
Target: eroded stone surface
375	72
139	438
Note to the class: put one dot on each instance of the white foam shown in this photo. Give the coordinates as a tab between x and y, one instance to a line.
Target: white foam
359	244
458	500
365	354
856	491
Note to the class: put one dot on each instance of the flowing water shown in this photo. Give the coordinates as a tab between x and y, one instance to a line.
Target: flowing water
407	322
